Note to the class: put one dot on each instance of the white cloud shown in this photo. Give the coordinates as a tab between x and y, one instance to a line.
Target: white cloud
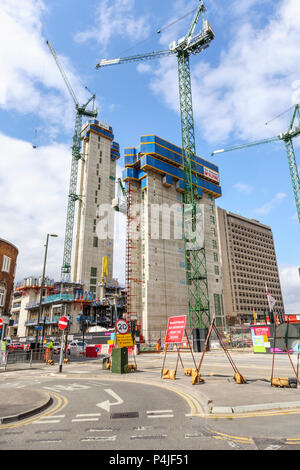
243	188
290	285
30	79
269	206
249	84
33	202
144	68
115	18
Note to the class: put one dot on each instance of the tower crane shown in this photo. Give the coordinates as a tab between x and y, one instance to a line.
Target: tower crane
287	137
195	260
76	156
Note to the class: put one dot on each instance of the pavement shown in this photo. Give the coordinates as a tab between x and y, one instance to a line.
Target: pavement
217	395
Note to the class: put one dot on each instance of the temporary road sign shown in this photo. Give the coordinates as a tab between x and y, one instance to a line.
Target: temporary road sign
124	341
1	322
121	326
175	330
63	323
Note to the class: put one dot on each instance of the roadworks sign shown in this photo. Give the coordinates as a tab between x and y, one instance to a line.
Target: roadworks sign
124	341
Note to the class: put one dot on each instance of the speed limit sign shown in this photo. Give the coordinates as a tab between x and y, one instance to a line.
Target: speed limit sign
121	326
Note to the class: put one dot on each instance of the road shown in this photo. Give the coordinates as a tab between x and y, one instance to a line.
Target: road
93	410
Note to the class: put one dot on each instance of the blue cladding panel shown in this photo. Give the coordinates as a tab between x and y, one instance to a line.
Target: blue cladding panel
144	183
130	173
173	150
164	168
168	180
97	130
157	154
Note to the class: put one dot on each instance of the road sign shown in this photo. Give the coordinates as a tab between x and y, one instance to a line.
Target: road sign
1	322
63	323
124	341
175	330
121	326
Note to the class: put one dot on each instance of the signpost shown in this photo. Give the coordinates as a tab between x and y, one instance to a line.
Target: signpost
122	327
63	322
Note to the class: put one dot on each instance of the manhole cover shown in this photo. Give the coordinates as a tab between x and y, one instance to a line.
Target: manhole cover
129	414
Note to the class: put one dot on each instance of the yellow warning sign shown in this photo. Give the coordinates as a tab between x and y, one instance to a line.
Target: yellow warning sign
124	341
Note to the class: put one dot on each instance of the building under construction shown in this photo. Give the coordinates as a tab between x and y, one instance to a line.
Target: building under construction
96	190
155	257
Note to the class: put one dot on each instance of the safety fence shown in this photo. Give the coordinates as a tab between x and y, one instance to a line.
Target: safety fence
238	337
20	359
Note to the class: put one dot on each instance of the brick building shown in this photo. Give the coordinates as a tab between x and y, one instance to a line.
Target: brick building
8	259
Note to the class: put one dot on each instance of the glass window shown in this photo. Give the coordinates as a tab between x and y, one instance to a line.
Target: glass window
93	272
6	264
2	295
95	242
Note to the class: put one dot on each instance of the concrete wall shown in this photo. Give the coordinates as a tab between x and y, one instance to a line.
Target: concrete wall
97	186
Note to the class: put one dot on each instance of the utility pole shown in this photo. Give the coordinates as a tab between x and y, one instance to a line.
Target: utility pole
42	287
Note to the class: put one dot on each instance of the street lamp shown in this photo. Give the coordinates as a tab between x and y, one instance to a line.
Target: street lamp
42	285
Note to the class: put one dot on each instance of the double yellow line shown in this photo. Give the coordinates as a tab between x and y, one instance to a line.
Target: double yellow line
61	403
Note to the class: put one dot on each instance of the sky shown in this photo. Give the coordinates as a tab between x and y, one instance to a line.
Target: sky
248	76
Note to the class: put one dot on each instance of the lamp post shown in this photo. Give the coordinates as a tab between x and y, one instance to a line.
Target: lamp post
42	285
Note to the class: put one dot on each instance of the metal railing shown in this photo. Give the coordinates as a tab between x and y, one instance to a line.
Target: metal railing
20	359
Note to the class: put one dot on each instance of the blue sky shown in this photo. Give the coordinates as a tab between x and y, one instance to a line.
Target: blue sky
249	74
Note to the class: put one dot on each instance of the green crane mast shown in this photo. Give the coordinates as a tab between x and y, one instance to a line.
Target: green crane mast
287	137
196	272
76	156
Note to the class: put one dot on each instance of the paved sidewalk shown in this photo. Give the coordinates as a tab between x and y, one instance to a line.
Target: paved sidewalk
17	404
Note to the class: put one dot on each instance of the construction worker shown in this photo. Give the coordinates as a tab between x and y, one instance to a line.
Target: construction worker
48	355
158	345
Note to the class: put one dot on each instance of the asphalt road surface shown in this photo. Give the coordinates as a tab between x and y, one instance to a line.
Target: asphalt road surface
100	413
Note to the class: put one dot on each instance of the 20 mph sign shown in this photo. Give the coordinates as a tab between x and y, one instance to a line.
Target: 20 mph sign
63	323
121	326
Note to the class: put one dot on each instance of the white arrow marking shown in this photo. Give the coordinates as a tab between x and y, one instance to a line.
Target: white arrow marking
106	404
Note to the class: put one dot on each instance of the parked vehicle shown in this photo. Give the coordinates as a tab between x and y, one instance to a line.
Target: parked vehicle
76	346
16	346
56	347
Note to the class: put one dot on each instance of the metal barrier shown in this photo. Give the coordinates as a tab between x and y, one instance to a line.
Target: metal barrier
20	359
234	337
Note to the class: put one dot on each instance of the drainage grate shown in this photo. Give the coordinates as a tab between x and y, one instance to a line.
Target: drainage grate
129	414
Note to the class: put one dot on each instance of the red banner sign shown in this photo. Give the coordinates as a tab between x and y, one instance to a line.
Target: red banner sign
262	331
175	330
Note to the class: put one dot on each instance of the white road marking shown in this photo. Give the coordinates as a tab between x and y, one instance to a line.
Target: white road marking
81	420
159	414
87	414
68	388
50	419
107	404
47	421
160	411
98	438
